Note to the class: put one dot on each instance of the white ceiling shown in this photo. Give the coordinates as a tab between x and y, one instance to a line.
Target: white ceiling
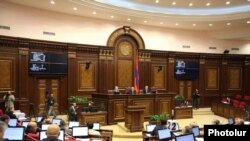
213	18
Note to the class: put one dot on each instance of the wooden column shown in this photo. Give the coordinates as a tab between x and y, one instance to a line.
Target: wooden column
23	75
72	71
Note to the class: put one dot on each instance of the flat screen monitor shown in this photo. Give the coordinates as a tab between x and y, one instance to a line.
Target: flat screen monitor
96	126
164	134
12	122
73	123
196	131
56	121
45	126
25	123
185	137
14	133
80	132
230	121
39	119
43	135
150	128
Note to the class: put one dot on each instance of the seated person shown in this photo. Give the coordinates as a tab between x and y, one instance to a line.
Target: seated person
215	122
32	131
52	133
187	130
131	91
11	114
239	121
116	90
163	125
64	125
146	90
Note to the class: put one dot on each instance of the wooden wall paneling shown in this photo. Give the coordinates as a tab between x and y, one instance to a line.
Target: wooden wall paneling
224	78
41	90
144	69
158	79
55	89
235	78
106	70
72	87
212	78
163	104
119	109
201	80
170	77
246	77
7	74
147	102
125	74
87	77
23	72
63	95
102	74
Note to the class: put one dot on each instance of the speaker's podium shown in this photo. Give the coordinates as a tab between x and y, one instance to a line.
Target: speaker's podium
134	117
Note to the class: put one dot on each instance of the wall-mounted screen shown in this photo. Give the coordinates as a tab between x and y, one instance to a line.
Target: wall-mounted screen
186	69
48	63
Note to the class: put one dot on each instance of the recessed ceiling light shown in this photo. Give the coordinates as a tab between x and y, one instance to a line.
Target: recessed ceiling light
157	1
228	2
176	24
111	16
94	13
75	8
173	3
52	2
161	22
210	25
194	24
190	4
228	24
129	19
208	4
145	21
248	22
248	0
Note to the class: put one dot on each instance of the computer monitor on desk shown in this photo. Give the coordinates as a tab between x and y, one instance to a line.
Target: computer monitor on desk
80	132
14	133
196	131
150	128
73	123
185	137
164	134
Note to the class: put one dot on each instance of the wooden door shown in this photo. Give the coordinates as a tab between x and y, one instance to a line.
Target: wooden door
186	89
51	86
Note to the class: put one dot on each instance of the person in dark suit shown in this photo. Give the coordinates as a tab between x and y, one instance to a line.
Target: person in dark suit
146	90
52	133
131	91
116	90
73	112
51	102
196	99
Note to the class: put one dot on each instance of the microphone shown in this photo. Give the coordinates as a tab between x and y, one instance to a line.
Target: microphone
33	139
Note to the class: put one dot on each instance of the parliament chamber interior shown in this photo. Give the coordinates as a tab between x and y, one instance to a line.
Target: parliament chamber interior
118	69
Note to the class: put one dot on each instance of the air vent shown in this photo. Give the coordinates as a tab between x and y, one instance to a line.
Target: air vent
49	33
235	48
4	27
212	47
186	46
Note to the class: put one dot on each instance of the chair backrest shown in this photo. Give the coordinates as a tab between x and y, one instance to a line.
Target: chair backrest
238	96
242	104
247	97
